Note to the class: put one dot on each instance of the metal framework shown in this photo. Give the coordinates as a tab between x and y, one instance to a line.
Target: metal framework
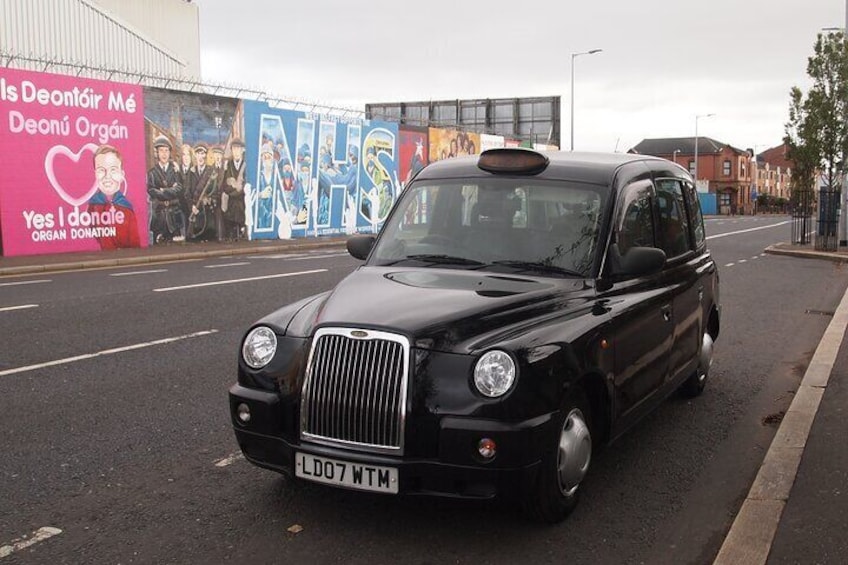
82	69
534	119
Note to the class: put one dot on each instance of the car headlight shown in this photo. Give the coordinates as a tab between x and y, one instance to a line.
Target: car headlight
494	373
259	347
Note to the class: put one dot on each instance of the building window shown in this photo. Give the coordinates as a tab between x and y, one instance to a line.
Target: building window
725	170
691	166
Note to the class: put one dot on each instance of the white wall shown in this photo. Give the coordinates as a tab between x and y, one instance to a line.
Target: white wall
157	37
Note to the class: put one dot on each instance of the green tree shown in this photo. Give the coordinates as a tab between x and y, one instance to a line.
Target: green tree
817	132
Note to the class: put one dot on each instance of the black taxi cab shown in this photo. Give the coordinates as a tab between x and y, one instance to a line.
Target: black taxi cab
517	310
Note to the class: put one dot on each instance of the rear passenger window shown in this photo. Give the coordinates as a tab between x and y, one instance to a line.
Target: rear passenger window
673	220
695	215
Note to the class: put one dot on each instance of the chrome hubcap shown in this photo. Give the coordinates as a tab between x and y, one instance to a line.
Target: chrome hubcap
575	452
706	360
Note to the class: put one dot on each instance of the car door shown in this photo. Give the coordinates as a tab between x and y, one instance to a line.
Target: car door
680	275
640	307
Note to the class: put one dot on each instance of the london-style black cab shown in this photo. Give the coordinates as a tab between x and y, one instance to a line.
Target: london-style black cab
516	310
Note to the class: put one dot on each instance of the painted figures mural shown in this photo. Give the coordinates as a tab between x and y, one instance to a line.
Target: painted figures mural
103	166
309	175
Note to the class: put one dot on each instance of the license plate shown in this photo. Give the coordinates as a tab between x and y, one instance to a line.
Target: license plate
346	473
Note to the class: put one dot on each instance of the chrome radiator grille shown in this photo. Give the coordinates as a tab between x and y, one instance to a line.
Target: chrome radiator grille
355	389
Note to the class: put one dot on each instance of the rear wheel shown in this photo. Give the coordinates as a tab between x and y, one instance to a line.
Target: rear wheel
694	385
554	494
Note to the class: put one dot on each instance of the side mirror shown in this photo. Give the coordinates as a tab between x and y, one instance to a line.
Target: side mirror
637	262
360	246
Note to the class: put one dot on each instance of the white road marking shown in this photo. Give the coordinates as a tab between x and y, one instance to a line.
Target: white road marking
320	256
730	264
718	235
755	257
743	260
130	273
26	282
21	307
226	265
235	281
229	459
39	535
105	352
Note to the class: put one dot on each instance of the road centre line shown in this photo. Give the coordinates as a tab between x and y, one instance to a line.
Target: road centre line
718	235
26	282
39	535
21	307
113	351
226	265
130	273
235	281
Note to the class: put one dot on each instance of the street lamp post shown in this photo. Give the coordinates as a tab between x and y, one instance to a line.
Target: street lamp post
574	56
698	117
674	156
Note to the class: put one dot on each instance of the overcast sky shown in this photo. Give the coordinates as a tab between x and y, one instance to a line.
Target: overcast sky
663	61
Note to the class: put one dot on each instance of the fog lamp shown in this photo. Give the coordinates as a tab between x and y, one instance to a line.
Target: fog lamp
486	448
243	413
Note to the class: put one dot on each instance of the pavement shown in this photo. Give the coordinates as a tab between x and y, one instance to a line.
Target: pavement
160	253
797	509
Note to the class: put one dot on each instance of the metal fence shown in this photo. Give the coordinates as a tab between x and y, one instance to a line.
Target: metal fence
802	217
827	231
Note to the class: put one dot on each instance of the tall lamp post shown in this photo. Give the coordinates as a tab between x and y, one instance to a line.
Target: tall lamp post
698	117
574	56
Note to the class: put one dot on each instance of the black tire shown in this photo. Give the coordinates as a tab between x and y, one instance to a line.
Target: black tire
547	499
694	385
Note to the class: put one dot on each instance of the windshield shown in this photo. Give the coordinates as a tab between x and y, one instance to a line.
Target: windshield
547	228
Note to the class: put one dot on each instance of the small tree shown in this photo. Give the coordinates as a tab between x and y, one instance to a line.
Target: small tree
817	132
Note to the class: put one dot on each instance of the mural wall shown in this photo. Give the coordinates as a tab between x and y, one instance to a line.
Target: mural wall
310	176
101	165
195	162
76	180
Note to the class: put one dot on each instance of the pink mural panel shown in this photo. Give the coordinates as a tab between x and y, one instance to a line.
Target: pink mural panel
74	172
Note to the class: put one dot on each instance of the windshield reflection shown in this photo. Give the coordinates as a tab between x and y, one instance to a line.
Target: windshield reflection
541	228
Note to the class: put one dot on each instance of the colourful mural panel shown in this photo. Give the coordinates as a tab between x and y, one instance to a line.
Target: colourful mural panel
414	148
313	175
77	183
196	166
448	143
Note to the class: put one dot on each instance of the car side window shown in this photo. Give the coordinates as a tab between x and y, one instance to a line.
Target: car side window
673	222
695	215
635	226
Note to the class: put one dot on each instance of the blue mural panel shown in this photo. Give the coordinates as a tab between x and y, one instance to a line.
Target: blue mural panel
310	177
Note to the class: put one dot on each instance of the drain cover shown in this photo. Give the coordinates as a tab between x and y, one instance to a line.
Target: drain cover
819	312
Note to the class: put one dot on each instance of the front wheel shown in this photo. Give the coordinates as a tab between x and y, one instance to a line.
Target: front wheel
554	494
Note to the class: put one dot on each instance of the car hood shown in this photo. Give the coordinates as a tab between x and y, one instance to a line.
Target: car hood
441	309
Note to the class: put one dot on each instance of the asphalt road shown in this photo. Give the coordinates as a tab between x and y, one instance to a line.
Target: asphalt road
129	452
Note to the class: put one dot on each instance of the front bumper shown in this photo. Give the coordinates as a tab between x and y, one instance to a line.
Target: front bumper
457	471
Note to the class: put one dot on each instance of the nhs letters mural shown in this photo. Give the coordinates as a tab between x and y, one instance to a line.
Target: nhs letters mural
75	181
311	175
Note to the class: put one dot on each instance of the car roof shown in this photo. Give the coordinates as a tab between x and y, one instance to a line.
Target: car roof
598	168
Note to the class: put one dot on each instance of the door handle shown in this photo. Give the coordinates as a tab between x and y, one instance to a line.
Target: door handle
700	293
666	313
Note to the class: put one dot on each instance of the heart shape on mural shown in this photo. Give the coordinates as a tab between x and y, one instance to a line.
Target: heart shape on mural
50	166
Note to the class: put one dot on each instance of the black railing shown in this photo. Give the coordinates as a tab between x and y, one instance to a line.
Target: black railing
827	232
802	217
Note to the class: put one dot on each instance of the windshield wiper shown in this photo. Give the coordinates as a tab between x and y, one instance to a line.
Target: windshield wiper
444	259
538	267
